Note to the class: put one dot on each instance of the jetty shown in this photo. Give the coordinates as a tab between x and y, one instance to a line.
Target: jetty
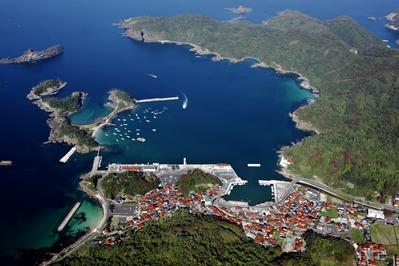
157	99
66	157
69	216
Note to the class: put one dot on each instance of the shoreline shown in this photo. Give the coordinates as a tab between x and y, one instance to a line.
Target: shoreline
304	82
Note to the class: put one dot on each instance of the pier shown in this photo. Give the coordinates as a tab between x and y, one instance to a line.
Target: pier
69	216
68	155
157	99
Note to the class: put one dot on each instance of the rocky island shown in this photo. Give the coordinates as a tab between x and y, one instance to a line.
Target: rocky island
356	74
62	131
6	163
393	20
31	56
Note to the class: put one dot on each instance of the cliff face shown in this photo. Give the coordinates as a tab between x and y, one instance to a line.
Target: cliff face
31	56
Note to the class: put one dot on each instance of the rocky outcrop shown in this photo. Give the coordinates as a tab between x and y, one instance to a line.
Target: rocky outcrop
31	56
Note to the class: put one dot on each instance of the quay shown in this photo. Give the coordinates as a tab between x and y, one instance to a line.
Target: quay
157	99
68	155
278	187
69	216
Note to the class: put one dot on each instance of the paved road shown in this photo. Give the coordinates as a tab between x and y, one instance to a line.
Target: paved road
89	235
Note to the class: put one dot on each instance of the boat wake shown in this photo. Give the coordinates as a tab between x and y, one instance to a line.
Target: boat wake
152	75
185	102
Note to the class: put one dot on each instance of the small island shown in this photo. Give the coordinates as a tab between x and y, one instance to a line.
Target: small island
393	20
6	163
240	10
60	109
31	56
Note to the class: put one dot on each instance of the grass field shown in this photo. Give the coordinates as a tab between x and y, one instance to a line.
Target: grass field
357	236
333	213
384	234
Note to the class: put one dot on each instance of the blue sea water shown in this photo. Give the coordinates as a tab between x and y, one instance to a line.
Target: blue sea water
235	113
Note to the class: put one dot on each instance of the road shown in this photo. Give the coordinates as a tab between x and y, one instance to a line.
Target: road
89	235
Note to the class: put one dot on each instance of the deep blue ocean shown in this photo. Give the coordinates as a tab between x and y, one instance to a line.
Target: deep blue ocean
235	113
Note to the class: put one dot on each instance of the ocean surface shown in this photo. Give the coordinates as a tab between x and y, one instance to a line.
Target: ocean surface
235	114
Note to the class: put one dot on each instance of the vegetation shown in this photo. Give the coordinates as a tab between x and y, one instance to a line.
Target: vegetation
70	104
128	183
357	236
322	252
45	85
384	234
82	137
195	240
121	98
357	75
333	213
196	181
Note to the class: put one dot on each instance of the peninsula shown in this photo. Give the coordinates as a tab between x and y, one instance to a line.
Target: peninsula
357	149
62	131
31	56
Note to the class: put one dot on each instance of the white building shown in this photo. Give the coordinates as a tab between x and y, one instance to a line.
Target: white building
372	213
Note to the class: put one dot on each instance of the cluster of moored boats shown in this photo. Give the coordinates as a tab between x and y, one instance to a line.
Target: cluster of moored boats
123	131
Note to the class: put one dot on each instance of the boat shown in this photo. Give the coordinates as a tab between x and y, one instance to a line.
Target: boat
141	139
106	134
117	140
148	121
138	134
154	130
122	138
185	102
152	75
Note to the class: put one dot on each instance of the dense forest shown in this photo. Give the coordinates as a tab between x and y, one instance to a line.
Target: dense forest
128	183
196	181
185	239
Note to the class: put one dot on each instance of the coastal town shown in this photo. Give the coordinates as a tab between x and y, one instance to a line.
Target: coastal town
296	209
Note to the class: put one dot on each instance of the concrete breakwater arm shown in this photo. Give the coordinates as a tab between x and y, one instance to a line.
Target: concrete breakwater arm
69	216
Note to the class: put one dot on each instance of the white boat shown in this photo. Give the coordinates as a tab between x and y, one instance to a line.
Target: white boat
185	102
122	138
133	139
128	137
106	134
114	134
154	130
155	117
152	75
117	140
137	129
148	121
254	165
129	131
138	134
141	139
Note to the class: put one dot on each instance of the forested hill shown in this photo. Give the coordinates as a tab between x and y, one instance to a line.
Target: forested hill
356	74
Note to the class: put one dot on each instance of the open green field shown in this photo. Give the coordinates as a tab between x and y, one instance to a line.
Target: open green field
332	213
357	236
383	234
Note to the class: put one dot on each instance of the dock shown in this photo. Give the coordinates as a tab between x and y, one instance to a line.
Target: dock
69	216
278	187
68	155
157	99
